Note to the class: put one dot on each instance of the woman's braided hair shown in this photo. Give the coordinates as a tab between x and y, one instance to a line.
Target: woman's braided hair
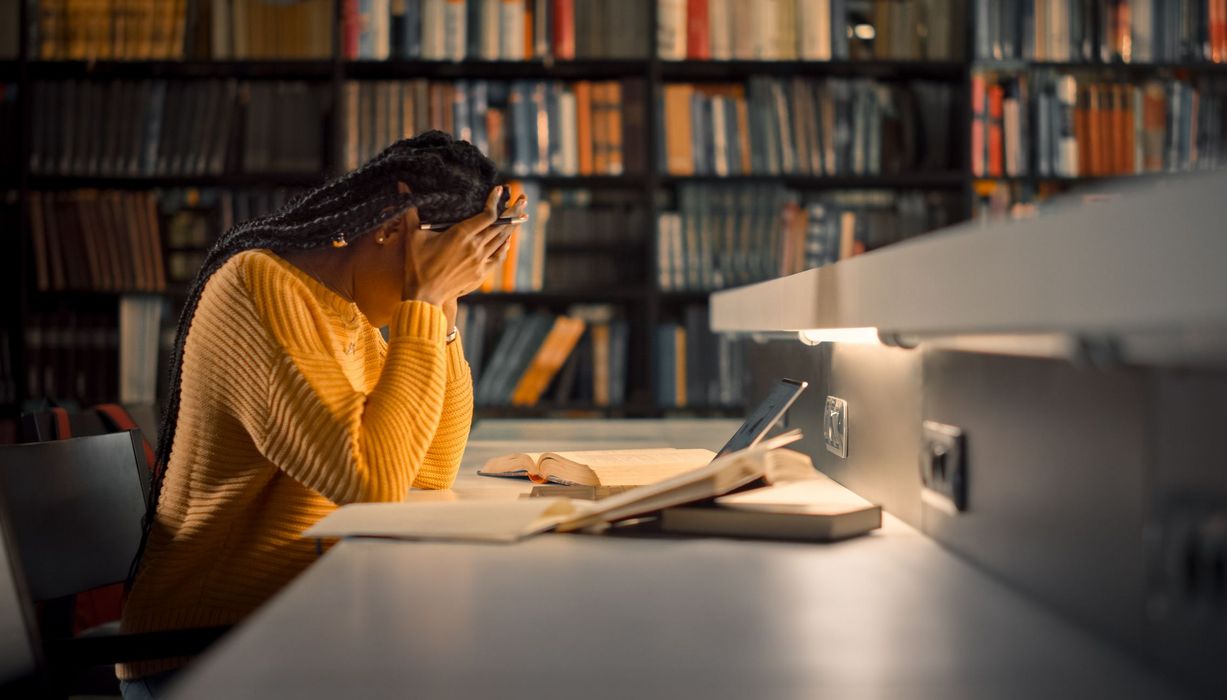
448	180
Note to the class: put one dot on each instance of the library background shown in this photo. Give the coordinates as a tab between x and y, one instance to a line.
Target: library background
669	148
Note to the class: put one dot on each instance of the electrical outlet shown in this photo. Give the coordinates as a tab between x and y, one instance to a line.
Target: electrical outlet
1188	565
943	466
835	426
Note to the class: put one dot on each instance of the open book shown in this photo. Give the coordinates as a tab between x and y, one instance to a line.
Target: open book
598	467
507	521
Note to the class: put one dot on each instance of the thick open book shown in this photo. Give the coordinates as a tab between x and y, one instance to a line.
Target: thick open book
598	467
507	521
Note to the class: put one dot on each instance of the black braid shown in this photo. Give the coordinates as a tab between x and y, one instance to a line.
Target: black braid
448	180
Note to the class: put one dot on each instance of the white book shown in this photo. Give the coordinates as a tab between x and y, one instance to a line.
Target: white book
1143	34
720	29
766	29
455	35
570	136
432	30
382	19
814	30
1011	114
719	135
511	31
490	23
785	48
671	29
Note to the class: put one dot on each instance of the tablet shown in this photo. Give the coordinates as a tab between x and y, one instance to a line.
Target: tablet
765	416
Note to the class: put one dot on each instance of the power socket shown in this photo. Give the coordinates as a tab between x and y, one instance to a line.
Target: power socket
835	426
943	466
1188	565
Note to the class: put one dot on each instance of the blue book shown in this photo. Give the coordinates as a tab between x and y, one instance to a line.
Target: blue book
473	31
839	30
411	43
522	143
732	138
619	348
555	127
153	126
366	36
460	112
696	134
539	138
479	104
529	232
666	365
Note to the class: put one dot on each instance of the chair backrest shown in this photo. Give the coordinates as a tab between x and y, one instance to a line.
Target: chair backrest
20	649
75	507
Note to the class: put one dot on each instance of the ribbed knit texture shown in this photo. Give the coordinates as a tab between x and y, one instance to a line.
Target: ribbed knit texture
292	404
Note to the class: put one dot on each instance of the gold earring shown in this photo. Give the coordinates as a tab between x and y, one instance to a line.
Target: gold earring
339	241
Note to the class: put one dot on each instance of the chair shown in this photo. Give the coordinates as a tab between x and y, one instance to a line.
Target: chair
76	614
75	509
21	657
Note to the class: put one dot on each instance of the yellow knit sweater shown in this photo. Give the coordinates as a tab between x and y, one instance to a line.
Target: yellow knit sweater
291	404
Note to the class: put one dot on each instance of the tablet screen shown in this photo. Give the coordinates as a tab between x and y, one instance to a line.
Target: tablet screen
765	416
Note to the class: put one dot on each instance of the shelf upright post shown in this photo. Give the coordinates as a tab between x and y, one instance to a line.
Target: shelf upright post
650	318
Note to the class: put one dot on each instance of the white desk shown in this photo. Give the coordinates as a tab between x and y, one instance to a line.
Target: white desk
891	615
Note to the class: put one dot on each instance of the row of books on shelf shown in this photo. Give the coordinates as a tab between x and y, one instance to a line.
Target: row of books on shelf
1128	31
527	127
525	359
177	128
722	236
696	367
96	241
10	126
71	356
494	30
165	30
1065	126
802	126
192	219
810	30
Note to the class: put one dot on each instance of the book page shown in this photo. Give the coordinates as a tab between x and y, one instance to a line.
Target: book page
819	496
483	521
520	464
629	467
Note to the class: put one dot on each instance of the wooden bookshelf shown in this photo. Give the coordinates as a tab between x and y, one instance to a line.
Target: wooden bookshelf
644	304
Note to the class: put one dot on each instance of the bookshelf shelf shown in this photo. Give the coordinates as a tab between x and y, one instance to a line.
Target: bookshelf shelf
1116	67
935	180
695	296
281	70
631	294
601	182
736	70
239	180
614	68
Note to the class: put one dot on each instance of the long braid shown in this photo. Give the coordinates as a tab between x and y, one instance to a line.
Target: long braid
448	180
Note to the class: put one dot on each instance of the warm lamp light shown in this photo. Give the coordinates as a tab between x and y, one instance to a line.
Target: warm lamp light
814	336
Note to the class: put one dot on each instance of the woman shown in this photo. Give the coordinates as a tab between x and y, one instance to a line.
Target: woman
286	402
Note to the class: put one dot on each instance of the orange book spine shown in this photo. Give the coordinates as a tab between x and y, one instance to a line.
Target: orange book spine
978	111
678	137
1128	100
613	126
583	126
996	97
529	44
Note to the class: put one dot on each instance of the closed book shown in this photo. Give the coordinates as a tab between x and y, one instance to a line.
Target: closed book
564	29
813	509
698	42
671	28
550	357
600	364
679	144
996	98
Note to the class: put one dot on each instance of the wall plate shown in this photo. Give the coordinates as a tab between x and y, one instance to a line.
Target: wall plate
835	426
943	466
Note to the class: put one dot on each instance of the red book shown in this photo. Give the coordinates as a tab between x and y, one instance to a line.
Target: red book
564	29
978	116
698	41
351	24
996	152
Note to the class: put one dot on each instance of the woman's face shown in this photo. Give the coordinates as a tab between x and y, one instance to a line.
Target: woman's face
379	269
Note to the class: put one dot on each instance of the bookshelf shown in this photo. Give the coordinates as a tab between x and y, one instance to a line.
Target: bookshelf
643	303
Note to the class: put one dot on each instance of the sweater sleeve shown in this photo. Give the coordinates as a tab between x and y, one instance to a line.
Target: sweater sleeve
344	444
442	460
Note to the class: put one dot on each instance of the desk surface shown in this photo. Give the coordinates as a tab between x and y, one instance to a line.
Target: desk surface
889	615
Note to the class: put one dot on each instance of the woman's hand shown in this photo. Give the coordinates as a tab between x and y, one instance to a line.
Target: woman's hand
443	265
